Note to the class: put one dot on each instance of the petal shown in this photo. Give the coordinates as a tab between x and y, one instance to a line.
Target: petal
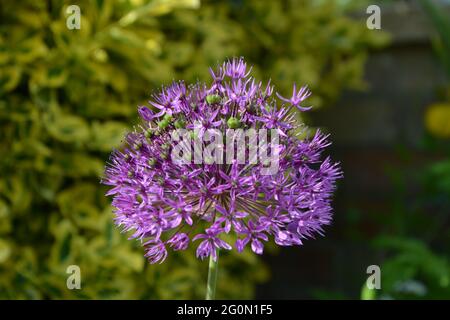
257	246
200	236
282	98
227	226
240	214
240	245
188	220
219	243
221	209
303	108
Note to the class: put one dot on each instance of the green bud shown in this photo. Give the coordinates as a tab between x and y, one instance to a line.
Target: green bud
148	133
163	124
180	124
193	135
233	123
139	198
261	195
130	174
165	146
137	145
212	98
151	162
168	117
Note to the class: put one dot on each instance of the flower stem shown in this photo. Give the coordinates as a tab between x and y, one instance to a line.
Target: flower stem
212	277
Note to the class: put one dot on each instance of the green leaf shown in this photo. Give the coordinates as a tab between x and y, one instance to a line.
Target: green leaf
108	135
67	128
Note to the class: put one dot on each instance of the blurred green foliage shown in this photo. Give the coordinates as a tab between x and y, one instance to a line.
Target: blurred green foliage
441	23
414	241
68	96
302	41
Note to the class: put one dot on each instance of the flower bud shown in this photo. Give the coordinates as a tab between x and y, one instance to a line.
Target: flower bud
163	124
212	98
180	124
168	117
233	123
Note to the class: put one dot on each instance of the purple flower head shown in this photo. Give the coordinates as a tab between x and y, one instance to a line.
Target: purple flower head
168	204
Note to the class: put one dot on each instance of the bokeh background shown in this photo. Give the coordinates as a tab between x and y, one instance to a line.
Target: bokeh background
68	96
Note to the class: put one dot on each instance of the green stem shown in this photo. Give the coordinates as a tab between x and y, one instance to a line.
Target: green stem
212	277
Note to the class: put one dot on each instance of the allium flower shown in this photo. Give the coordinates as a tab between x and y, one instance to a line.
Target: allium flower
169	204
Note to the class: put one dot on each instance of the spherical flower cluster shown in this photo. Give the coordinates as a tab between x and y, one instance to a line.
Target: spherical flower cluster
168	205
